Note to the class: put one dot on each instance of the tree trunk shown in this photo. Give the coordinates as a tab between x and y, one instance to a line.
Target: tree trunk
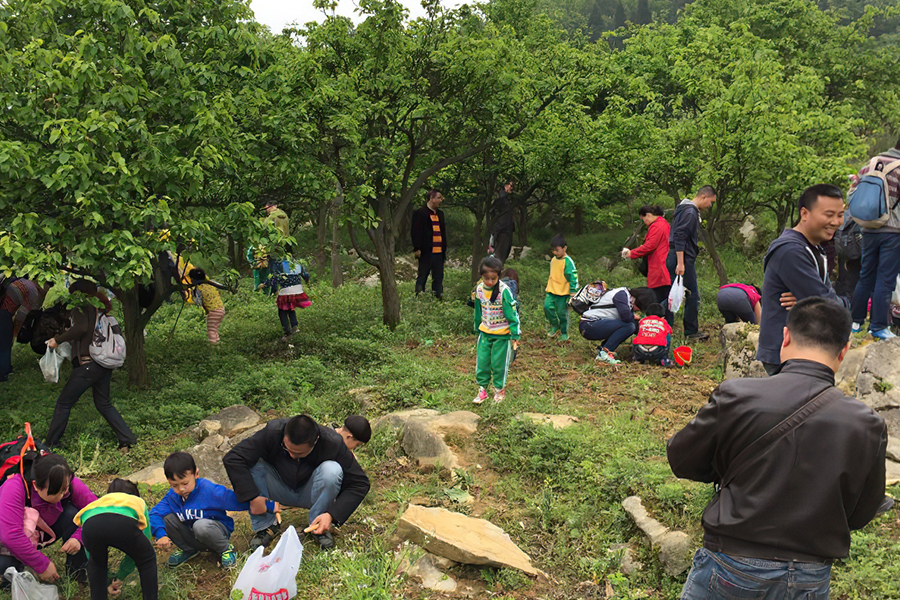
522	226
477	247
134	338
384	241
708	241
321	233
337	272
579	220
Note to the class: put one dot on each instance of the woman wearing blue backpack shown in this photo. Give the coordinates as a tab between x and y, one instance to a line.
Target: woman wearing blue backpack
86	373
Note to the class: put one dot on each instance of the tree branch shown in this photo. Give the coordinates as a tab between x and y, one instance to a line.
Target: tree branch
359	250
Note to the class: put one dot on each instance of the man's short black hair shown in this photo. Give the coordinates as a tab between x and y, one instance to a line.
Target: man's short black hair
301	430
433	193
179	464
810	195
558	241
820	323
707	190
197	275
643	298
359	427
897	145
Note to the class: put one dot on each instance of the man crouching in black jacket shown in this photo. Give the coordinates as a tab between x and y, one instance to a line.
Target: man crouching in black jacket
296	462
813	470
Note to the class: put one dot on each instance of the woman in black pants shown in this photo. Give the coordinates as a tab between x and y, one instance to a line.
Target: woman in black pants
118	520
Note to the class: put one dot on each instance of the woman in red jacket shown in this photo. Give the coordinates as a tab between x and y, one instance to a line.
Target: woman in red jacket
655	248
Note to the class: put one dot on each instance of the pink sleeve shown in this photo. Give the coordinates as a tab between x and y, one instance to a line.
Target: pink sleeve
12	516
81	497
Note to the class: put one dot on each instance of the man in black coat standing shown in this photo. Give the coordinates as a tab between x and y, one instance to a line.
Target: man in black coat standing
429	241
797	464
504	225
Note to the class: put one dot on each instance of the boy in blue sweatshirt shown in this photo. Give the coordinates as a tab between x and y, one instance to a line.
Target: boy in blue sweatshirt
192	514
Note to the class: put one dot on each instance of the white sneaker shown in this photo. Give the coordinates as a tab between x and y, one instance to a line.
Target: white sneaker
856	327
481	397
607	357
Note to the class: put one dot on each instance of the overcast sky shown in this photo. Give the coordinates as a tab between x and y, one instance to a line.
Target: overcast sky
278	13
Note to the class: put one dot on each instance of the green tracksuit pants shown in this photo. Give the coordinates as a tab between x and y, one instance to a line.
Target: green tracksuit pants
556	311
493	353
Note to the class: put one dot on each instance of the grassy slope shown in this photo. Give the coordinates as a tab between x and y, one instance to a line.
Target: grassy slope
556	493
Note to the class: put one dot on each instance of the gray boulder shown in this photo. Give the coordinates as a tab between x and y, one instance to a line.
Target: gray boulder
739	344
423	432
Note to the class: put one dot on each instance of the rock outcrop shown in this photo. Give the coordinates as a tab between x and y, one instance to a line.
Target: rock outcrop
423	432
216	435
739	343
674	546
462	539
878	385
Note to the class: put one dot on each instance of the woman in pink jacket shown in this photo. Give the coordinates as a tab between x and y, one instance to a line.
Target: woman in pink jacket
57	496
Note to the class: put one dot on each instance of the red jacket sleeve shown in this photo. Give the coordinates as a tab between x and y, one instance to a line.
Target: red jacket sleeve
654	238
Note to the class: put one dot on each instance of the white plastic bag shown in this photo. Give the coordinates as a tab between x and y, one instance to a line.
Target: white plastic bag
26	587
272	577
676	294
51	361
50	365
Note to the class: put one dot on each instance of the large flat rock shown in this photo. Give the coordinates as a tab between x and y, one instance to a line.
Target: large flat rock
462	539
231	420
556	421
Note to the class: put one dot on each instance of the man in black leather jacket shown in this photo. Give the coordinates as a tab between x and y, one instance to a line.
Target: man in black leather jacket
787	506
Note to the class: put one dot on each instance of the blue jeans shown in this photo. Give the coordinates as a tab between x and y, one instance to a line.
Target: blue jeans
877	279
609	332
715	576
691	319
316	494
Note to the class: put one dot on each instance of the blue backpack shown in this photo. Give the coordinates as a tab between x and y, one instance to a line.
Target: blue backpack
869	201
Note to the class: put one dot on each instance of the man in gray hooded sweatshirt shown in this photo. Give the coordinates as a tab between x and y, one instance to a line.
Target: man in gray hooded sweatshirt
795	264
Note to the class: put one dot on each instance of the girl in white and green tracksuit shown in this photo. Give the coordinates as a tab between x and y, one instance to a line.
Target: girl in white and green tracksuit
496	322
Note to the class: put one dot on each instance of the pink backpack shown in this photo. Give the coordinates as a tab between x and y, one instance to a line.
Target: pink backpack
36	529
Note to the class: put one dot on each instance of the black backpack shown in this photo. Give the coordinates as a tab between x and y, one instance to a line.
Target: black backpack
18	456
848	239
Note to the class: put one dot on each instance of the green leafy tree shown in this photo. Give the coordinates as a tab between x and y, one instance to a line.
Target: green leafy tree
393	104
117	125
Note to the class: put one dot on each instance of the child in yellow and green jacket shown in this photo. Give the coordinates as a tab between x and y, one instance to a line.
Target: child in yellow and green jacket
496	322
118	520
561	285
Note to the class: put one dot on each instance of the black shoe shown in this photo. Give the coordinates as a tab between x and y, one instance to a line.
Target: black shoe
326	540
265	536
698	335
